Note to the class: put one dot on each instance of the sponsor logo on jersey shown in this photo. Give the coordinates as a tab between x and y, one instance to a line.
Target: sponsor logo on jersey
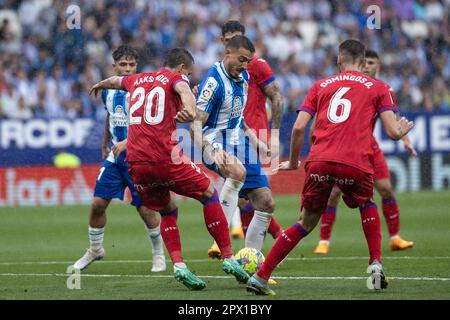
119	118
209	88
206	94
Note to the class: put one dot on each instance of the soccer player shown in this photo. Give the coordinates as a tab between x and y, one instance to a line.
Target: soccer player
346	105
220	127
156	165
113	177
262	86
382	183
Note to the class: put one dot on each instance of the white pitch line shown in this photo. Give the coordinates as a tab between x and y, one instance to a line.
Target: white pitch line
9	263
212	277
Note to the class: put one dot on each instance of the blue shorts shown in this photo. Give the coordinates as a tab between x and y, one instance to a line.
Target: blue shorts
112	181
255	178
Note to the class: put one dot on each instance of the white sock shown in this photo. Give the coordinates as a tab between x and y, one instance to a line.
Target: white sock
96	237
229	197
180	264
156	240
236	220
257	230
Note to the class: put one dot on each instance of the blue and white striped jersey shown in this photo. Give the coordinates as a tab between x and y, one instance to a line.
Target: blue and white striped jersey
224	98
117	103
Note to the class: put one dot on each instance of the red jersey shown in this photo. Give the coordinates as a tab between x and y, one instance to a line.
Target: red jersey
153	107
255	113
394	99
346	105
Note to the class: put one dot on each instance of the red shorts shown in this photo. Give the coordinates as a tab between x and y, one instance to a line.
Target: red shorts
380	165
154	181
321	176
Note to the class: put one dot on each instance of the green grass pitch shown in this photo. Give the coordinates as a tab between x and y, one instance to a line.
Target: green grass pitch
38	244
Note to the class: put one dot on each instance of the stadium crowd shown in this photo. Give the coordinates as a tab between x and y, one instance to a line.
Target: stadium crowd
48	62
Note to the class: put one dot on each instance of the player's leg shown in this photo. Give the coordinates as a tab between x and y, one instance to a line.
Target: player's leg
390	208
171	235
358	193
391	213
96	231
150	184
108	186
314	199
264	205
192	182
236	225
152	226
285	243
327	220
247	211
234	173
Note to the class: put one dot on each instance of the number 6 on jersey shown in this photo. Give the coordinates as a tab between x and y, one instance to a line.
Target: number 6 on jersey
339	108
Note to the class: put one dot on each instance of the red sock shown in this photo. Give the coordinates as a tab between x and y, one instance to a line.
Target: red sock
171	235
217	224
326	223
281	248
274	228
246	216
371	225
392	215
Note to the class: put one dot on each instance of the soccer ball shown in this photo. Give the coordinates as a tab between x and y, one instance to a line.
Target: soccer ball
250	259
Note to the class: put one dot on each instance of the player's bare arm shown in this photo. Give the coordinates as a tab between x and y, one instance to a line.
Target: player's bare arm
298	133
197	132
395	128
258	144
119	147
311	130
187	114
273	93
409	146
218	156
106	139
114	82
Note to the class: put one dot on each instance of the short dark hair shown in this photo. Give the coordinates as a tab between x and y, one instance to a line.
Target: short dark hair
125	51
352	50
178	56
241	42
232	26
372	54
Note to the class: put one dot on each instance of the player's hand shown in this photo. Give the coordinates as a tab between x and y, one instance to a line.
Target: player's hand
118	148
195	90
408	146
405	126
184	116
286	165
95	89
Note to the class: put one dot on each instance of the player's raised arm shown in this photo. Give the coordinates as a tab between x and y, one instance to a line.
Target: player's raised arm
114	82
187	114
395	128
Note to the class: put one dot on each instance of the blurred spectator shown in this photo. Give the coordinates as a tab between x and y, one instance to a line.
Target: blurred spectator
47	68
